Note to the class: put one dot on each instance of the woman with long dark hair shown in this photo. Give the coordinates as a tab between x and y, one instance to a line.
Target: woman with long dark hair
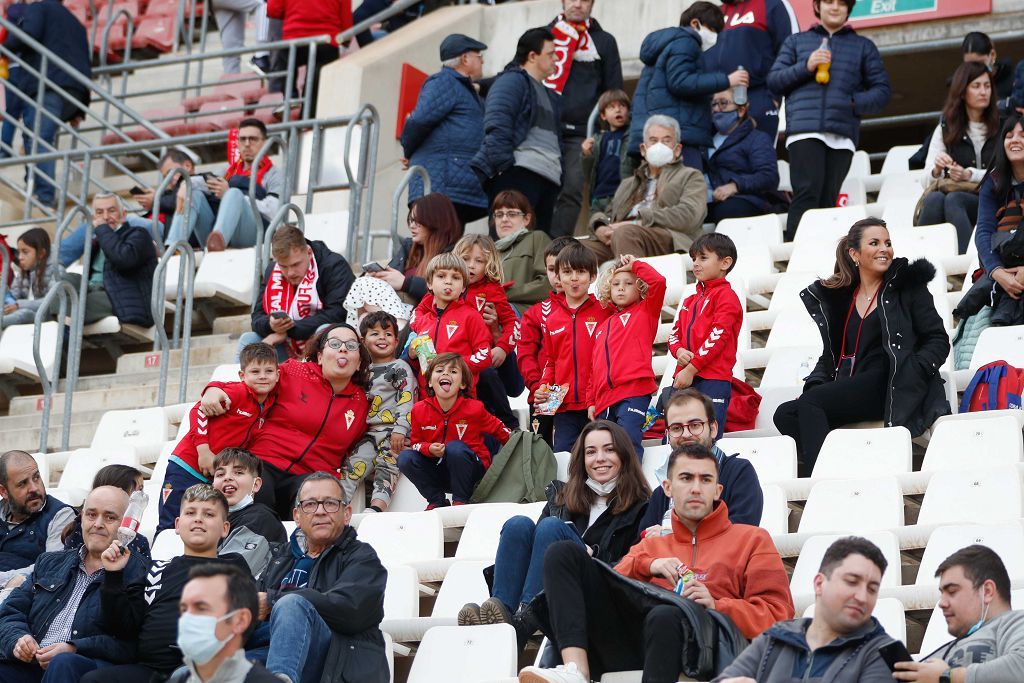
600	506
883	345
319	414
961	149
435	229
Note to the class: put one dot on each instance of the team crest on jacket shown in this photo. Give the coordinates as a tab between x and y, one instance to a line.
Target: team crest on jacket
460	428
624	317
591	325
350	417
481	300
452	328
166	492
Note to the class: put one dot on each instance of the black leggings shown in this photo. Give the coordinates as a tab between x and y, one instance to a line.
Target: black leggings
826	406
617	633
279	490
816	172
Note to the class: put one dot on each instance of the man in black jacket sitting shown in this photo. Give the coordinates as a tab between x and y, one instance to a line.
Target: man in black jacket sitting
50	627
323	595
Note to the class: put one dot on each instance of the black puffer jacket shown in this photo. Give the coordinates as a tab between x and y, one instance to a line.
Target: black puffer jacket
915	340
610	537
130	261
346	587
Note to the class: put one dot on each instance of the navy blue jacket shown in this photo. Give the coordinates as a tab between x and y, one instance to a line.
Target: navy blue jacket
675	81
33	606
22	544
753	35
128	271
858	83
741	493
747	158
51	24
508	116
989	202
442	134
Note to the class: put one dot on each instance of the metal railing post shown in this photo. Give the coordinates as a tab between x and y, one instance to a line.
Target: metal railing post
184	298
65	294
160	189
280	218
5	267
256	215
396	241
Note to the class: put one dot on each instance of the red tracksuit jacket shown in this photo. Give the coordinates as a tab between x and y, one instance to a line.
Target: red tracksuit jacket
467	421
232	429
569	347
457	329
530	353
709	326
310	427
477	295
622	346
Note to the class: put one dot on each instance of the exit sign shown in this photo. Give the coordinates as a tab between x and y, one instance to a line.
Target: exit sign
876	9
868	13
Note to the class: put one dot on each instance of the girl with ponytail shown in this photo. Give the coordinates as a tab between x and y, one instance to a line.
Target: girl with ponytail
882	345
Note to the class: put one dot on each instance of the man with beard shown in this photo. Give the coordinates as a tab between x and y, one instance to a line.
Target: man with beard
51	628
31	522
690	418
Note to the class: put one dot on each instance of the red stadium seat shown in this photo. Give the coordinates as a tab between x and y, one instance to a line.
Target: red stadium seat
212	117
155	32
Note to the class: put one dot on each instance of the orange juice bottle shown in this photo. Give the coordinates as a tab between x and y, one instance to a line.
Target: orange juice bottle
822	76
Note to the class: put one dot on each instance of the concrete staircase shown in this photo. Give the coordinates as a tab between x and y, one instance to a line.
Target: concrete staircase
133	385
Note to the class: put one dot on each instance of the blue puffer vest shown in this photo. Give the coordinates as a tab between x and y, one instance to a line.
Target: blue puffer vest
22	544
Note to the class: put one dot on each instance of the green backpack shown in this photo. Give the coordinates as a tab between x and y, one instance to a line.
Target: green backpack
519	472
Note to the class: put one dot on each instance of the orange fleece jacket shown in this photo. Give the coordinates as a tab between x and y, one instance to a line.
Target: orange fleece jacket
737	562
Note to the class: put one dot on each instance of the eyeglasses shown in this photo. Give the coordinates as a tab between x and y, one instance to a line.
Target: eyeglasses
723	105
412	221
246	139
339	344
696	428
309	507
498	215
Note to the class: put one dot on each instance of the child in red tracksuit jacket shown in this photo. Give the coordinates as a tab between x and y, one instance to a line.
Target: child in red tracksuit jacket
705	337
452	324
192	459
530	353
621	379
569	342
448	451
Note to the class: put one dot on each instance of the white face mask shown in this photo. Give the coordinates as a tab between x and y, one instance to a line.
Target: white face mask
659	154
245	502
197	637
708	38
604	489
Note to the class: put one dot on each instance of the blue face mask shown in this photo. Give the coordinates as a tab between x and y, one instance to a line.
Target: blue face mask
197	637
724	120
981	622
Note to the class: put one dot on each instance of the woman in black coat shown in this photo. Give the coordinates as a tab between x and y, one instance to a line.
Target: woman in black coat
883	345
600	506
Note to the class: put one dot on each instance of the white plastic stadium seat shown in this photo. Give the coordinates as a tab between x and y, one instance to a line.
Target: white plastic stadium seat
897	159
860	165
16	349
480	536
793	327
854	191
465	654
934	242
673	268
965	496
227	372
404	537
815	255
955	444
167	546
562	459
771	399
789	366
1006	539
890	615
402	593
773	457
775	512
145	429
853	505
228	275
999	343
828	224
407	497
463	583
850	453
807	564
330	228
758	229
785	184
900	187
653	458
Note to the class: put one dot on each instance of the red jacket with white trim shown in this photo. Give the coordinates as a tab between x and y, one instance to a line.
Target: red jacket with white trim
627	337
709	326
531	354
309	427
569	347
232	429
467	421
457	329
477	295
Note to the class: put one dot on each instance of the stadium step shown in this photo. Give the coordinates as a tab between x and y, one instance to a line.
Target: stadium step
151	376
234	325
209	353
28	439
125	398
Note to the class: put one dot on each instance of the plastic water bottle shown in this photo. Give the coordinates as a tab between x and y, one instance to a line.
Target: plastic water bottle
822	76
739	93
132	519
666	522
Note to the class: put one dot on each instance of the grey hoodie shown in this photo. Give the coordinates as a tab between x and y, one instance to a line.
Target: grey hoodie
992	654
781	655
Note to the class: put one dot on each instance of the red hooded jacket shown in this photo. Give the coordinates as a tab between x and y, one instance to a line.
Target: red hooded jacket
530	352
569	346
457	329
477	295
467	421
310	428
232	429
627	336
304	18
709	325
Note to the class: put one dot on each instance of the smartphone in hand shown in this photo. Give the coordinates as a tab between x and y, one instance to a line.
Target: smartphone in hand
280	315
893	653
372	267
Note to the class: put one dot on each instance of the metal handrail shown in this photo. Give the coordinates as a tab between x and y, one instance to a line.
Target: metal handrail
280	218
65	293
161	188
256	215
365	181
184	298
396	8
396	241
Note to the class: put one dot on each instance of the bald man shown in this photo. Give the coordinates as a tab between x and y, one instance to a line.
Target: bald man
56	634
31	522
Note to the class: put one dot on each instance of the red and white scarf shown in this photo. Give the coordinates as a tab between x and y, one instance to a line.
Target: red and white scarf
237	165
572	43
298	302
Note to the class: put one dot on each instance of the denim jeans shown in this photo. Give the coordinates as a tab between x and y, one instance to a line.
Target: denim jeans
519	562
15	107
294	642
253	338
54	104
459	471
200	221
62	668
630	414
235	220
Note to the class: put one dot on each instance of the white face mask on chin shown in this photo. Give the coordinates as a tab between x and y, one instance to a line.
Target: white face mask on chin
659	154
600	489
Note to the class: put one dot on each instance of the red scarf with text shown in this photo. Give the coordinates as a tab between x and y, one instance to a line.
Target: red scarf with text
572	42
237	165
298	302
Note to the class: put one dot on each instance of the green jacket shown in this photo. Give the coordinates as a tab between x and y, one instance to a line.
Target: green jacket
523	263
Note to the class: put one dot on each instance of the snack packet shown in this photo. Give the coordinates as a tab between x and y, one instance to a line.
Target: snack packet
556	393
423	345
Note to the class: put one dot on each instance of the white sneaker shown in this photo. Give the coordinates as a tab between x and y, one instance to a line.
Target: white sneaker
563	673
